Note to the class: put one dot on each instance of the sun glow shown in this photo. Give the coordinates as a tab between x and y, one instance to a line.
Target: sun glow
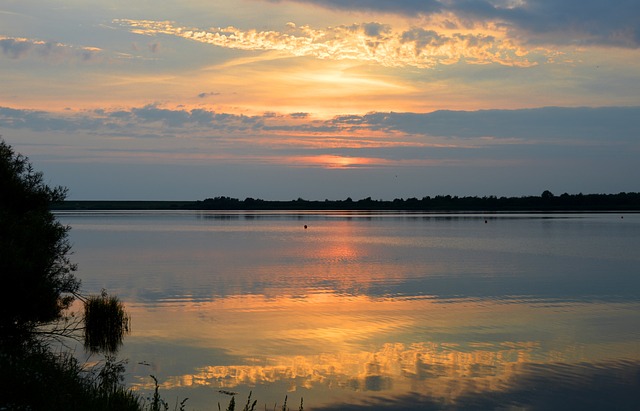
358	349
336	161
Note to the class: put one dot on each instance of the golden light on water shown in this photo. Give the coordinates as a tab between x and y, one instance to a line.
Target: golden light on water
359	343
438	310
394	367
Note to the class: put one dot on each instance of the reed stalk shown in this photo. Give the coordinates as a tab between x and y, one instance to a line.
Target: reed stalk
106	323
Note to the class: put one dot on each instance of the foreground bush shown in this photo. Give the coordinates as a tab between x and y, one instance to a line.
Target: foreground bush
33	377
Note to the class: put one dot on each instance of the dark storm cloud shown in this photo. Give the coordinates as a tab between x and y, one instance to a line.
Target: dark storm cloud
544	21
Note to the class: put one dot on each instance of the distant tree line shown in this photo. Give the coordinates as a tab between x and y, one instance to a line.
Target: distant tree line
547	202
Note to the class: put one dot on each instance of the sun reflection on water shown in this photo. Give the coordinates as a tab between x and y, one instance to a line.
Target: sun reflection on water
403	367
445	349
377	313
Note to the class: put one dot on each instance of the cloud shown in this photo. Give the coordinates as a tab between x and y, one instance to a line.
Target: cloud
409	7
583	125
580	22
208	94
583	22
15	48
368	42
137	120
589	149
37	120
458	139
19	48
376	29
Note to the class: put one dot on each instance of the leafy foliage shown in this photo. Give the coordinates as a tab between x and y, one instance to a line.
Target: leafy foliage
35	269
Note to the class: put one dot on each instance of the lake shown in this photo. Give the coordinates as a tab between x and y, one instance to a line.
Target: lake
373	310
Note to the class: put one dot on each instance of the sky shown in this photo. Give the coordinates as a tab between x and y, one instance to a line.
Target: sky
323	99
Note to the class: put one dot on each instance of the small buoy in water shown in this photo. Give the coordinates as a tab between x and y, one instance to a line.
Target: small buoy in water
621	216
485	221
305	226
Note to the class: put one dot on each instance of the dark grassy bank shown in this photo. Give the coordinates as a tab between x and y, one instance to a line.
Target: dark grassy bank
33	377
547	202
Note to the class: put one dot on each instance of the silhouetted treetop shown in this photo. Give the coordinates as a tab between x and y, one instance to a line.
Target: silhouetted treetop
35	270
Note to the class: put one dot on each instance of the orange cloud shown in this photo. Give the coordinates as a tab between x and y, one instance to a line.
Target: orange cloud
369	42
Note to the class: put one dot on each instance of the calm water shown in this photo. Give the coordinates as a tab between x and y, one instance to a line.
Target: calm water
374	311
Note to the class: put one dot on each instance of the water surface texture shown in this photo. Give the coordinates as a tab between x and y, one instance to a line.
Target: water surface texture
374	311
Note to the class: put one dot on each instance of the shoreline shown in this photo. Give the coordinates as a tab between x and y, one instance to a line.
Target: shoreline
547	202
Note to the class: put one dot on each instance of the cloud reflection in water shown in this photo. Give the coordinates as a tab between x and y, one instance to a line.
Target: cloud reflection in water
456	354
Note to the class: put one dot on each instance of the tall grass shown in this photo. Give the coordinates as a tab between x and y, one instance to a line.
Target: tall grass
106	323
35	378
251	406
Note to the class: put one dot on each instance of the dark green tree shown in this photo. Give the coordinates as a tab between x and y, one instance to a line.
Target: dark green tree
36	273
38	286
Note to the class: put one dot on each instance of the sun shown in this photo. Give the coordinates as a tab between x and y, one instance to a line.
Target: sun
335	161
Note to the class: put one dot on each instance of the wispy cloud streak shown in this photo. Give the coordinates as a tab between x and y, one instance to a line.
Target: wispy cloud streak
368	42
18	48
